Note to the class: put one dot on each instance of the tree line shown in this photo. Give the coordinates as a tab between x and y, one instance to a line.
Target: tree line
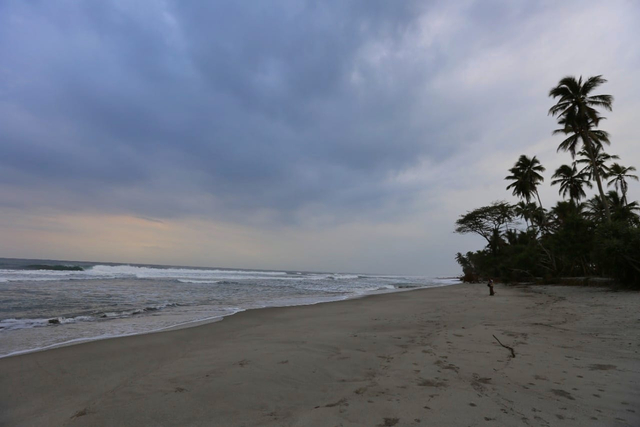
579	236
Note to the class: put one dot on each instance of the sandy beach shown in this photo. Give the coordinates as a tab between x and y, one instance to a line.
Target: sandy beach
419	358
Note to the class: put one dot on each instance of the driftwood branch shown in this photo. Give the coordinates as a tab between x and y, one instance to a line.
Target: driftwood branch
513	353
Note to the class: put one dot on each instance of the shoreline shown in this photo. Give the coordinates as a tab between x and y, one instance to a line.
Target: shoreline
200	322
425	356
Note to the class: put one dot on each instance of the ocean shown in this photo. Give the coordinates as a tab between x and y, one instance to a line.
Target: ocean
48	303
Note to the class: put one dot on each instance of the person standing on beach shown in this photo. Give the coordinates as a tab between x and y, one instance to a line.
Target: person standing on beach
490	285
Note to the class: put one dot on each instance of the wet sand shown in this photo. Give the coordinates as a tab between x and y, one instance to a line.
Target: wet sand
419	358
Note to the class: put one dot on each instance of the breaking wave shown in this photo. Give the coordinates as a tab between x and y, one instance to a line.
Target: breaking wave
13	324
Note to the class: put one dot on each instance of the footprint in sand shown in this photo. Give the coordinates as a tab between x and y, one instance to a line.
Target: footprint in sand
360	391
80	413
341	402
562	393
599	367
431	383
482	380
449	366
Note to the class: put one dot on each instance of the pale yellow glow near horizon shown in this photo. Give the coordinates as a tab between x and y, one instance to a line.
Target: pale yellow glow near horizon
64	235
119	238
358	246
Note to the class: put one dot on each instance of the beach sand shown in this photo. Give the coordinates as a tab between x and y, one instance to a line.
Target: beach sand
419	358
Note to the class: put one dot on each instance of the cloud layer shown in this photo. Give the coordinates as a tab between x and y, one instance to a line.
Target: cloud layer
291	120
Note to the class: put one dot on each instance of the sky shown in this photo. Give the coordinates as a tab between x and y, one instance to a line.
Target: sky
299	135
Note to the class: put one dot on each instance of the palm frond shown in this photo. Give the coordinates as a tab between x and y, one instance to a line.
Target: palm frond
592	83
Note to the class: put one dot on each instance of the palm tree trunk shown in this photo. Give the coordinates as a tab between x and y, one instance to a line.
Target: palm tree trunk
539	201
604	199
543	223
596	173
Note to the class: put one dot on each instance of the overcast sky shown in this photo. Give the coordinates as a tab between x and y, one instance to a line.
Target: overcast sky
308	135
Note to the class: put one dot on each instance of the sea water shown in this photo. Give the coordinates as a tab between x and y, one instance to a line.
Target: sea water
45	304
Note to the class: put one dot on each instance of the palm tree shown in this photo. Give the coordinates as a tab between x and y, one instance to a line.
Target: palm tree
525	175
594	209
525	211
562	211
619	173
623	212
577	114
601	159
572	142
571	181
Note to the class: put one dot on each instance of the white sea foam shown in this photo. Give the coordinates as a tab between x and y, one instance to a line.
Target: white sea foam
130	299
184	275
336	276
228	312
199	281
36	275
13	324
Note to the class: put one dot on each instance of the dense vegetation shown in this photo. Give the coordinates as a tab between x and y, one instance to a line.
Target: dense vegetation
597	237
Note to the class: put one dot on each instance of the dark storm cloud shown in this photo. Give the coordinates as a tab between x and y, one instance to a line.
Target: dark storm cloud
226	108
270	105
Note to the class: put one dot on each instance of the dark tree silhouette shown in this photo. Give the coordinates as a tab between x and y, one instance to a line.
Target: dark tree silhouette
577	114
619	174
525	175
571	182
487	221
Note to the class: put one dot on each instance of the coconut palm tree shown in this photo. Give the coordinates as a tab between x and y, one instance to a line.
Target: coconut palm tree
525	175
601	159
619	173
525	211
563	210
621	212
577	114
594	209
571	181
598	137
